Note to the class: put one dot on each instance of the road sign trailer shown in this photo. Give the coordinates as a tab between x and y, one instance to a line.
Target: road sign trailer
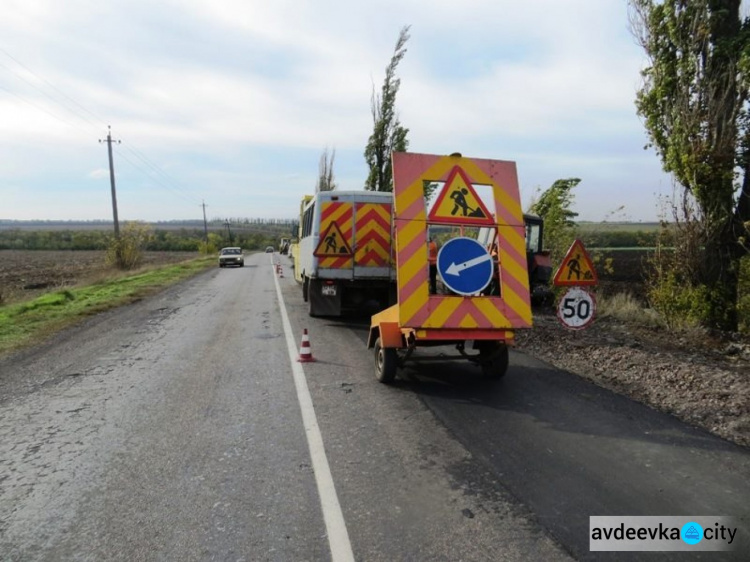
479	326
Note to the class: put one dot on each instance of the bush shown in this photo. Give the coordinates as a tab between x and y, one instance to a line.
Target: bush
126	251
680	304
743	294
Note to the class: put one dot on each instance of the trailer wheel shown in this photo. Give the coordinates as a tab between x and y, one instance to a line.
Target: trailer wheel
494	359
386	362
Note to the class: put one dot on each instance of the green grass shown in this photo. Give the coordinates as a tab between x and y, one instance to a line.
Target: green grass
28	323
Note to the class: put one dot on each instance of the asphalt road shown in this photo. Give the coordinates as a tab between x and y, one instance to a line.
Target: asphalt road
173	429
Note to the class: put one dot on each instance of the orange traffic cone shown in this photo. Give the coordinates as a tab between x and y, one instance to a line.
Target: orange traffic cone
305	355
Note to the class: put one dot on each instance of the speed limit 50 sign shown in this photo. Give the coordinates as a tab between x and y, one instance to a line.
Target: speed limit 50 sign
576	308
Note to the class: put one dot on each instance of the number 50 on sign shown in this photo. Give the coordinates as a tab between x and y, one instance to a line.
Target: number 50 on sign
576	308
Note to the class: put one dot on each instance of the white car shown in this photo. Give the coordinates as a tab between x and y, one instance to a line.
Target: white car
231	256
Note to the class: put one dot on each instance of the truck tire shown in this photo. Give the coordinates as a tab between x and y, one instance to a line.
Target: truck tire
305	288
312	310
494	359
313	297
386	363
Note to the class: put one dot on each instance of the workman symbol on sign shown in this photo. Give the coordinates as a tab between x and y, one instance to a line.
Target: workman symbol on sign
459	199
574	267
331	245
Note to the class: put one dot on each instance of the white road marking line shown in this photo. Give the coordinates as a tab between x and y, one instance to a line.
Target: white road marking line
338	536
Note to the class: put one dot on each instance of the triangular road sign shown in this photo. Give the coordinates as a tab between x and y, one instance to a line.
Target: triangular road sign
576	268
332	243
458	202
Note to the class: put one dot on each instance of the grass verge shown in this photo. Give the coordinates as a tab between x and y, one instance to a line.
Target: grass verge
28	323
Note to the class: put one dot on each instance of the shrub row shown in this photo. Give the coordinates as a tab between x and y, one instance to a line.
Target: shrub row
183	240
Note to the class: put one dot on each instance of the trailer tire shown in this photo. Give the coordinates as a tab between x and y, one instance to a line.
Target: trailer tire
494	360
386	363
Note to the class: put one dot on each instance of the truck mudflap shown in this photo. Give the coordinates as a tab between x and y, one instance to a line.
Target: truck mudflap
324	297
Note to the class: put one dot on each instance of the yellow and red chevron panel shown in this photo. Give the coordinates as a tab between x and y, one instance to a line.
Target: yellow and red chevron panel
342	213
419	309
373	233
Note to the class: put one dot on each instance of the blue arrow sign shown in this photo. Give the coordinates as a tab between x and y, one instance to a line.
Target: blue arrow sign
465	266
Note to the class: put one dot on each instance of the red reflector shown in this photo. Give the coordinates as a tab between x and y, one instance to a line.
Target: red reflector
329	282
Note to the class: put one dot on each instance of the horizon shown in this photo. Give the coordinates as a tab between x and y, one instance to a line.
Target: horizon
252	220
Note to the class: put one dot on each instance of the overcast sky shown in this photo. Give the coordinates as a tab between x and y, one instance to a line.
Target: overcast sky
233	101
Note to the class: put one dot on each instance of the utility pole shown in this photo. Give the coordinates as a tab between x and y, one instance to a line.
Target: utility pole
112	179
205	225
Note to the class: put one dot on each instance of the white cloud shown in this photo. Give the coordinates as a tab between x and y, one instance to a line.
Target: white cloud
235	93
99	174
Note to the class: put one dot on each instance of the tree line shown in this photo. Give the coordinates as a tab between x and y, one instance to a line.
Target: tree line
158	240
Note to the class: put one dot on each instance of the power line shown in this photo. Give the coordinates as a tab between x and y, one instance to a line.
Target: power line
155	179
45	94
40	108
174	187
51	85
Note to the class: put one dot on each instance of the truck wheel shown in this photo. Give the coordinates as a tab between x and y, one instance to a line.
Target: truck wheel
313	297
305	288
386	362
494	359
312	308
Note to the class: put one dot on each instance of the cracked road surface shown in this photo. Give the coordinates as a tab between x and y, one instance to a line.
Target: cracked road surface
171	430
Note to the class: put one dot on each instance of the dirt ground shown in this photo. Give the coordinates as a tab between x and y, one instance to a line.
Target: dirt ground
27	274
701	379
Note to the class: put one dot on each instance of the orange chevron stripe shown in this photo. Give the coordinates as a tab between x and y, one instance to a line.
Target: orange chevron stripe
375	213
373	232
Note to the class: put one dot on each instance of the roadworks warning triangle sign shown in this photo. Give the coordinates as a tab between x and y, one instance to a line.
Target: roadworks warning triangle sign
576	268
458	203
332	243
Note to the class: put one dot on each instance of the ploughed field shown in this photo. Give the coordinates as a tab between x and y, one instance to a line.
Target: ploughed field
628	269
28	273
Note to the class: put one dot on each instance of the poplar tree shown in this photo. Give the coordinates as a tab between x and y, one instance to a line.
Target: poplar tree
388	134
694	103
555	207
326	180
